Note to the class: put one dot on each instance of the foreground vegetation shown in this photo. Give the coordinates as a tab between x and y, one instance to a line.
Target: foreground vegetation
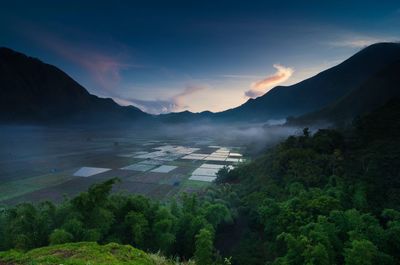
185	229
83	254
328	198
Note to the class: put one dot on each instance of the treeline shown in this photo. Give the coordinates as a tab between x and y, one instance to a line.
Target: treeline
183	228
327	198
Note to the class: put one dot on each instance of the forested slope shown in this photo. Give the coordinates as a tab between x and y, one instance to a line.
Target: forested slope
328	198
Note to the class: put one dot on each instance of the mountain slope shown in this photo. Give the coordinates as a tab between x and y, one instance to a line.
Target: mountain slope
83	253
31	90
318	91
375	92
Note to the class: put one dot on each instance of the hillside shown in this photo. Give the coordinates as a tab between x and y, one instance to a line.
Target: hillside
318	91
373	93
363	73
82	254
31	90
329	197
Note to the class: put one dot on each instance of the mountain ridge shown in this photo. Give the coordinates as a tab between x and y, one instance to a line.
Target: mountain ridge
32	90
373	93
307	95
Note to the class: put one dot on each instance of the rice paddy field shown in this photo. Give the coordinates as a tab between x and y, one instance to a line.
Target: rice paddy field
38	165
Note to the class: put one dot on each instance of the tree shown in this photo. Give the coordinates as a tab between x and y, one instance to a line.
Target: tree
60	236
139	227
204	247
96	197
75	228
163	229
361	252
217	214
317	255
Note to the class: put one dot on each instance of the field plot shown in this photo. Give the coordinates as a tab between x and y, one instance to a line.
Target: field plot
55	193
202	178
160	178
195	156
158	191
235	160
217	153
139	167
53	164
207	172
212	166
89	171
19	187
114	173
164	169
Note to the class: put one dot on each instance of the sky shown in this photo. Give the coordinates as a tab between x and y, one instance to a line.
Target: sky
171	56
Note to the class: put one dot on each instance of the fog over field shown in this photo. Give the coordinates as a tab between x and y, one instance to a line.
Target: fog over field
43	162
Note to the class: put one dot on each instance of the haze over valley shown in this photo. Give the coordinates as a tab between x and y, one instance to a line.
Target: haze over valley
211	133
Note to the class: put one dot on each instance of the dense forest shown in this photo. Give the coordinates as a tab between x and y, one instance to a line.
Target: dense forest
328	197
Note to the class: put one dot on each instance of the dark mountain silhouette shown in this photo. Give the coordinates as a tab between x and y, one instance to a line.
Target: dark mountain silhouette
373	93
31	90
318	91
187	117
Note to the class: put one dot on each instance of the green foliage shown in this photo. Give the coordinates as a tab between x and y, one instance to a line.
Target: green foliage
325	198
139	227
98	216
204	247
83	254
361	252
60	236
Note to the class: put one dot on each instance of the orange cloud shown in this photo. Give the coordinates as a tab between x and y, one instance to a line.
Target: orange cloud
261	87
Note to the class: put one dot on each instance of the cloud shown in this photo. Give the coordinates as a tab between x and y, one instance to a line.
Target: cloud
361	42
173	104
261	87
154	106
104	68
240	76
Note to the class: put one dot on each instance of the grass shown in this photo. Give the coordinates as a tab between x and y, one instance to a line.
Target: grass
84	253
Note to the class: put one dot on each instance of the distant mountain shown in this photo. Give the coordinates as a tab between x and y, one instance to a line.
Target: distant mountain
319	91
373	93
31	90
187	117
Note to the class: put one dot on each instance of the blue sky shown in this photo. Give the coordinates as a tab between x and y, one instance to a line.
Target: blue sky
165	56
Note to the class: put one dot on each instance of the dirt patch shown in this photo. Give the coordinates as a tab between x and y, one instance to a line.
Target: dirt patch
63	253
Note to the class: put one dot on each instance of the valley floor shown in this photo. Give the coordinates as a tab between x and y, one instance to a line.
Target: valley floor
41	164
